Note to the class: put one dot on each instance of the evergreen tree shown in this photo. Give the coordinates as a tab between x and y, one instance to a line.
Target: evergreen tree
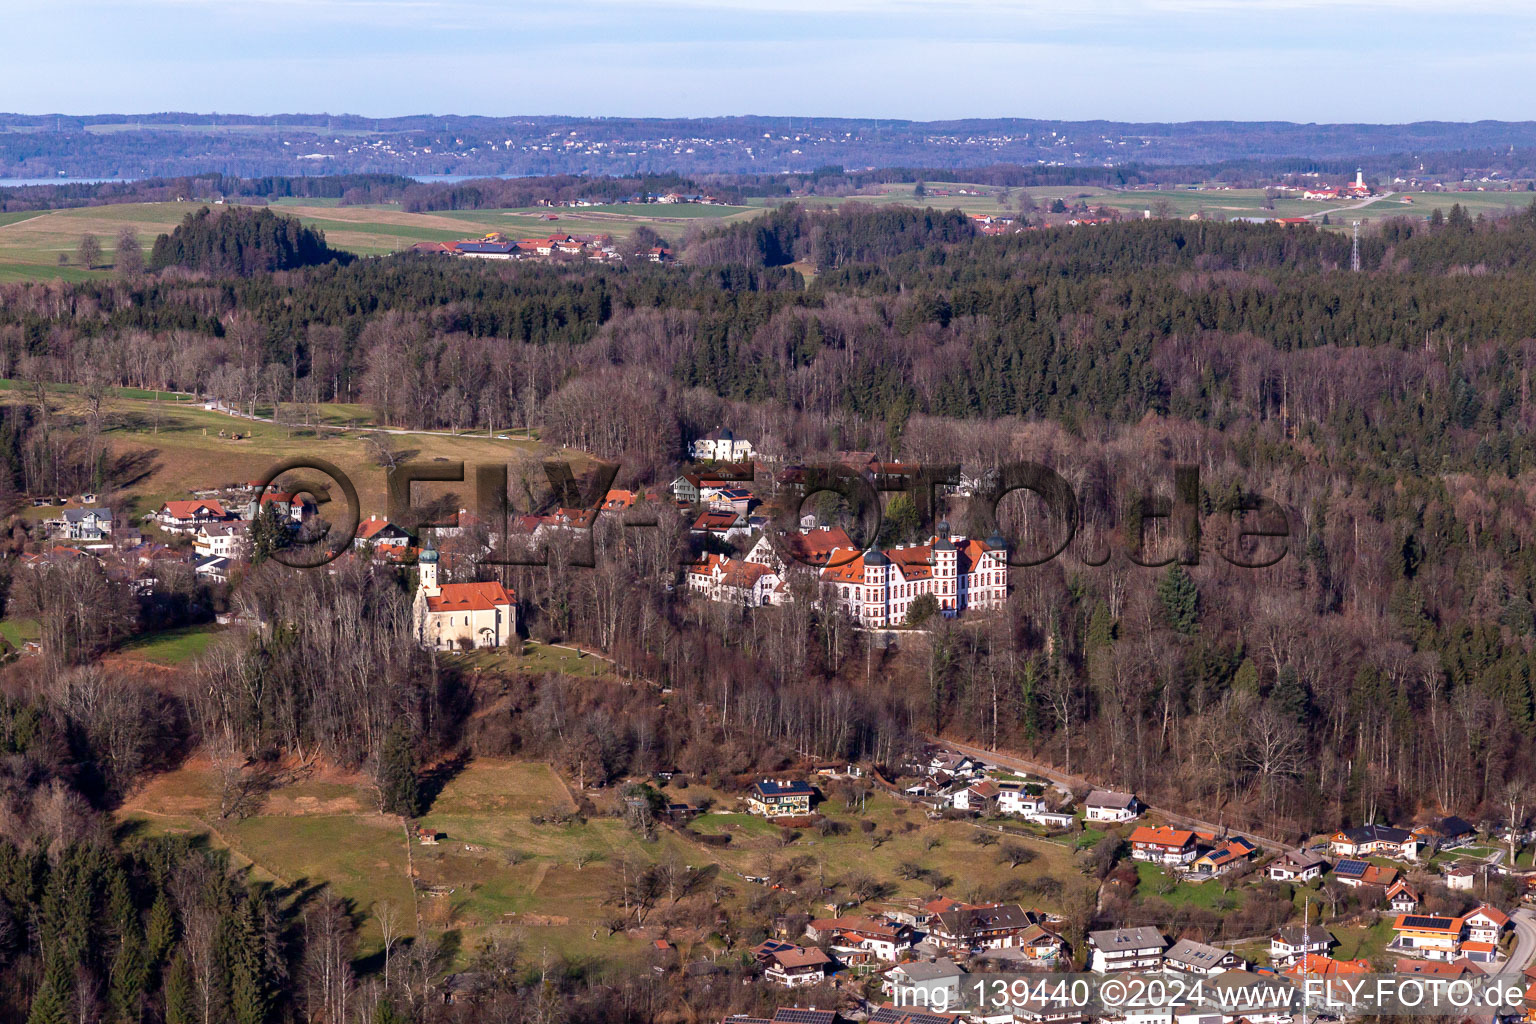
250	997
51	1004
180	992
160	934
128	982
398	791
270	530
1180	599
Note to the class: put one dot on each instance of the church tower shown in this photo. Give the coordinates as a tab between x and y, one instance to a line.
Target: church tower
426	567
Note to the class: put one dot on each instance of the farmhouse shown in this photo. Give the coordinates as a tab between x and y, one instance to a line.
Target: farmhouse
452	616
774	798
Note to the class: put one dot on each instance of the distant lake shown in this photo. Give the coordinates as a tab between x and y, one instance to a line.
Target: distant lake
22	182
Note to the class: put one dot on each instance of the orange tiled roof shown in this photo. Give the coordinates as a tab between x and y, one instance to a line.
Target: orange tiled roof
469	597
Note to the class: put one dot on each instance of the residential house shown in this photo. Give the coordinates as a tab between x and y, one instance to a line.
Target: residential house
221	540
1163	845
89	525
925	983
1428	936
1336	976
1447	833
1015	798
787	1015
797	966
813	547
1383	840
1107	805
1126	949
1226	857
1297	866
720	445
1294	941
723	526
978	796
187	516
378	532
452	616
884	940
775	798
1357	873
1486	926
1401	897
1190	957
981	926
213	568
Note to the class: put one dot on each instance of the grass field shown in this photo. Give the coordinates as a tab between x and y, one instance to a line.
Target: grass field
1155	883
31	243
18	631
171	647
513	860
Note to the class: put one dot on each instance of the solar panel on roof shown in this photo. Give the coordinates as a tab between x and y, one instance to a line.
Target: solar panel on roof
795	1015
1350	868
1415	921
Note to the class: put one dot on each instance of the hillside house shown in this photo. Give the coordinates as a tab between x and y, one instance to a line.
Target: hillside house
1126	949
986	926
1190	957
884	940
935	983
1447	833
1297	866
87	525
721	445
722	578
1292	942
878	586
775	798
797	966
378	532
1228	856
222	540
1428	936
1106	805
1486	924
723	526
188	516
1401	898
1163	845
1382	840
1357	873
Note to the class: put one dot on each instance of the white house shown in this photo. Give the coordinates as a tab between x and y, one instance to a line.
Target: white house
1126	949
924	983
1486	924
380	533
1292	942
722	578
1297	866
188	516
1107	805
84	524
221	540
721	445
1190	957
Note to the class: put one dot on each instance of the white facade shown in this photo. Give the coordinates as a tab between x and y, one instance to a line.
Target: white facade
455	616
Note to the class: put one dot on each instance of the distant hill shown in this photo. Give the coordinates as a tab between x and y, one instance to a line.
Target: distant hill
240	240
169	144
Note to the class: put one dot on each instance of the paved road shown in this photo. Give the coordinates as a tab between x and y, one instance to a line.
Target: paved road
1524	952
1047	772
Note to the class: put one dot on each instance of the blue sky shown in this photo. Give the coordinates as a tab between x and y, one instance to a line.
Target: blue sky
1155	60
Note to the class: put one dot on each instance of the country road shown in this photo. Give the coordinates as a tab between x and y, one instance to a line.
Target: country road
1524	952
229	410
1045	771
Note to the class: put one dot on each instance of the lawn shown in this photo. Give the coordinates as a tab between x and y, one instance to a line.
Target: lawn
1155	883
173	646
18	631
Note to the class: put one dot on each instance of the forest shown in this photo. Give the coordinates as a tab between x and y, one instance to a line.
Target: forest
1382	671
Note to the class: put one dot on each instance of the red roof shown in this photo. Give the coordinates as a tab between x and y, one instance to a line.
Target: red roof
191	509
469	597
371	526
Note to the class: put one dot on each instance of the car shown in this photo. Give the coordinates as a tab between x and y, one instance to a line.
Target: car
503	437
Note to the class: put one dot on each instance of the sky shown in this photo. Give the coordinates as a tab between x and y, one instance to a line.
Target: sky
1129	60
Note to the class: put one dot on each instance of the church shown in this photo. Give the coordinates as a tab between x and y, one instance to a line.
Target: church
460	616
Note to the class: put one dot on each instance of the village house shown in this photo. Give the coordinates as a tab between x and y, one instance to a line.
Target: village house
884	940
87	525
1401	898
1297	866
1357	873
1190	957
378	532
187	516
1383	840
1486	925
1446	833
1428	936
982	926
775	798
455	616
1107	805
720	445
797	966
925	983
1294	941
722	526
221	540
1163	845
1126	949
1227	856
787	1015
1461	877
731	499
